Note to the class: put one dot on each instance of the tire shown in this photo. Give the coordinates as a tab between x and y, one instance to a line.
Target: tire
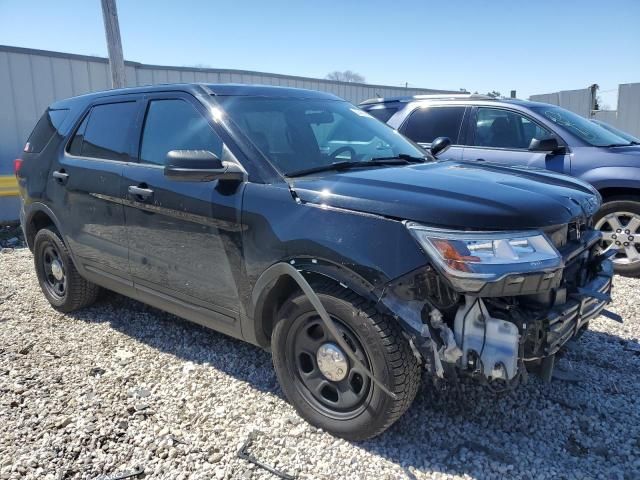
357	409
51	258
617	217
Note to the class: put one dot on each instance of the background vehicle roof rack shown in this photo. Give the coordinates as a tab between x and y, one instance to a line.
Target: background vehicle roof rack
439	96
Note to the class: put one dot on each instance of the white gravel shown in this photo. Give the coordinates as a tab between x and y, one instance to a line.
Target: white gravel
121	385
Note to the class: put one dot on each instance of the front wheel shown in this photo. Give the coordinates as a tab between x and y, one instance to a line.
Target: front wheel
619	222
321	381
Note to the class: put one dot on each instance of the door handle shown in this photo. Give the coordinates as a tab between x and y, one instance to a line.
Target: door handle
480	159
61	176
140	192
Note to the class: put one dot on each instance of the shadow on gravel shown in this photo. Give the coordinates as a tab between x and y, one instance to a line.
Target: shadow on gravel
589	427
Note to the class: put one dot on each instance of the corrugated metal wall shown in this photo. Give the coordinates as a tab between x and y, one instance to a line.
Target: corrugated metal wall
31	79
578	101
609	116
626	118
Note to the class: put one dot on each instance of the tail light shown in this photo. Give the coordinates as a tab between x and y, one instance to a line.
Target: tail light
17	165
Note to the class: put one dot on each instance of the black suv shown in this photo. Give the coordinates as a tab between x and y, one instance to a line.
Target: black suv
297	222
518	132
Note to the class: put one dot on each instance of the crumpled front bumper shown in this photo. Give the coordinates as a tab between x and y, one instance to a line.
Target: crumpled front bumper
566	320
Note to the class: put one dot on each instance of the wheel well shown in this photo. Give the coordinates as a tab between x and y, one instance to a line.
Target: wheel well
38	221
267	308
283	288
619	193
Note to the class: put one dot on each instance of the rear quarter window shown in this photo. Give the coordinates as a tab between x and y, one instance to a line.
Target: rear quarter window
424	125
105	132
49	123
383	114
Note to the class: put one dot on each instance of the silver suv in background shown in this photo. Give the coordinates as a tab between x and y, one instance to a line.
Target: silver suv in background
522	133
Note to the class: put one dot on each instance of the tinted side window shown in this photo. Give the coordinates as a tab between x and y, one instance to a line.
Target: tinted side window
505	129
426	124
76	143
382	114
175	125
48	124
104	133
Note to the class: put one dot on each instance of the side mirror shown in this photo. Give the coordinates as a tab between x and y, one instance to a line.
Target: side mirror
199	166
439	145
549	145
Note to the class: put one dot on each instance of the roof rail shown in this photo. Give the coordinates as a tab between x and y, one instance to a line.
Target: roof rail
439	96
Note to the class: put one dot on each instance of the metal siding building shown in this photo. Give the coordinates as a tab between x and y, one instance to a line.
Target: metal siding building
578	101
30	80
626	117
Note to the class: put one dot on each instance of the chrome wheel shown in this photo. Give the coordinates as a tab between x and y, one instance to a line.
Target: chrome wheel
622	230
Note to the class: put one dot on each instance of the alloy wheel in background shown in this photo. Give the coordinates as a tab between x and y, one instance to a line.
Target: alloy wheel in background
622	230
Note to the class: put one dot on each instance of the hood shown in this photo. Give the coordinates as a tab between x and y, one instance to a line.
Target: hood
453	194
613	156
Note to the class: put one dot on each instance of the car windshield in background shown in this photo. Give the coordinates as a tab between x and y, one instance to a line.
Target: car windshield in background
618	132
581	127
301	134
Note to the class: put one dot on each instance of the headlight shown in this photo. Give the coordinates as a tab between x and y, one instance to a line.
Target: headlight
486	256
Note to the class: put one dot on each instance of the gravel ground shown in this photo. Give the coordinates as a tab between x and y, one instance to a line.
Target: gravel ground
121	385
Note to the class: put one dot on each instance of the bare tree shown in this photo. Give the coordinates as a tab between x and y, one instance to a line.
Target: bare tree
346	76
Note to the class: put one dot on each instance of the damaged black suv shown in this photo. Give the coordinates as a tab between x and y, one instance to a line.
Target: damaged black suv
297	222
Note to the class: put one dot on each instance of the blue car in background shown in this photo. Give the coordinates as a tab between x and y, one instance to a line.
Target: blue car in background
519	132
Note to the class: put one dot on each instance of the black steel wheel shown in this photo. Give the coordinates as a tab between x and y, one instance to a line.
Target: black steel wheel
322	382
54	274
59	280
322	372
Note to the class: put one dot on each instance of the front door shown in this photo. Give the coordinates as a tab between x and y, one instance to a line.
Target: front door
499	135
184	236
86	192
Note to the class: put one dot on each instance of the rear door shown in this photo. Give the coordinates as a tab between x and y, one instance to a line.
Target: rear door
428	122
85	186
184	236
501	135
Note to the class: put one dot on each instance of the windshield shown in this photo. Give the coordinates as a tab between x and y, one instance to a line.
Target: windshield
297	134
581	127
618	132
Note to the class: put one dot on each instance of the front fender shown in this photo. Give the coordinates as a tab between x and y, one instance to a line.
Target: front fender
612	177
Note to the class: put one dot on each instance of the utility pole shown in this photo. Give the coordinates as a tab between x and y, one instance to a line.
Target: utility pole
114	43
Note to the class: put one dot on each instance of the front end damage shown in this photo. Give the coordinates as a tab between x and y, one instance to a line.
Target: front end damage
497	329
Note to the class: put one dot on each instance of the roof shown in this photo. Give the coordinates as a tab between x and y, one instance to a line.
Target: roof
411	98
233	89
454	98
217	89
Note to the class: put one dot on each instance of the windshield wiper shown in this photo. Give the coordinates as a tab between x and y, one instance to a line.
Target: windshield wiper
611	145
347	164
402	156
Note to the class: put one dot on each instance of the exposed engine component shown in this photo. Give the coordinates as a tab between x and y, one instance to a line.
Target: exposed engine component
449	352
489	345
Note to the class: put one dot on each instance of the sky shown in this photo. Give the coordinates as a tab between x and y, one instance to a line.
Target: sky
529	46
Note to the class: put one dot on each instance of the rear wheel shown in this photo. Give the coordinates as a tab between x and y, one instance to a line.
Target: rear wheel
59	280
320	379
619	222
